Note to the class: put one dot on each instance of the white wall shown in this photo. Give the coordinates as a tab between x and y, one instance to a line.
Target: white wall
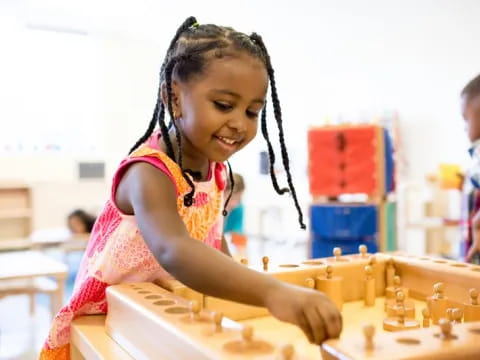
331	58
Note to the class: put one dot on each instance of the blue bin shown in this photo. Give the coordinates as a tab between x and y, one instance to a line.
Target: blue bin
344	221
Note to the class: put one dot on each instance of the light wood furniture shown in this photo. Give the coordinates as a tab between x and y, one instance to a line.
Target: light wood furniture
30	272
184	330
15	215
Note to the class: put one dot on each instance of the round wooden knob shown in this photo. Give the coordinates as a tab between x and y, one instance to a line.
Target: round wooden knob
456	314
310	283
372	260
337	252
247	333
217	319
244	261
329	270
194	307
287	352
265	262
439	289
368	332
368	270
362	249
445	327
474	296
399	296
396	281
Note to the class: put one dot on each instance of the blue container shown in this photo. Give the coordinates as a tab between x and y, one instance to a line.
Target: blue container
340	221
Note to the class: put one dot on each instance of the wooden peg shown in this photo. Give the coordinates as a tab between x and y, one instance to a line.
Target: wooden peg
369	295
194	309
438	303
310	283
217	319
244	261
392	290
445	328
362	250
331	286
337	253
471	310
369	332
247	334
372	260
265	263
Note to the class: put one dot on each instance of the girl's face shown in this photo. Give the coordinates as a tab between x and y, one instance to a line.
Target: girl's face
218	111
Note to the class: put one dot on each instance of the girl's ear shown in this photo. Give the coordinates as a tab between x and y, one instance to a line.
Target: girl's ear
176	108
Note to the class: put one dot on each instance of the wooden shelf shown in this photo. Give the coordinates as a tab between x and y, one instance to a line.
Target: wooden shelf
15	214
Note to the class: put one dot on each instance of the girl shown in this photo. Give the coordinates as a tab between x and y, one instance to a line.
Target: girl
164	217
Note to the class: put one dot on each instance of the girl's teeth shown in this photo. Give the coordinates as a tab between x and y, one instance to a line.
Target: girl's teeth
228	141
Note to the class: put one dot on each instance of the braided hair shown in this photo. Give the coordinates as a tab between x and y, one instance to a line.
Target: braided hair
187	55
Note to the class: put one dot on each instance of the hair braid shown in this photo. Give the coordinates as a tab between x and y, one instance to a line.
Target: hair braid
278	117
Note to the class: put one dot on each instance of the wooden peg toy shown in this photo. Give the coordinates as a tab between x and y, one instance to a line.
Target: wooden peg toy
426	318
446	329
247	335
400	301
337	253
438	303
310	283
372	260
331	286
288	352
244	261
456	315
400	322
471	311
392	290
362	250
369	332
265	260
217	319
194	310
390	272
369	295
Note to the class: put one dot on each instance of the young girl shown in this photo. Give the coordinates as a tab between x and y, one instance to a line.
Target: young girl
80	222
164	217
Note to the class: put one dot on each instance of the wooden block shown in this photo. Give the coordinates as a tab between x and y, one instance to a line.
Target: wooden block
331	286
152	323
419	274
438	303
408	304
234	310
419	344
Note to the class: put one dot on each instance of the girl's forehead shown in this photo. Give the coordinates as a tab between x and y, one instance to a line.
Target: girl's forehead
242	74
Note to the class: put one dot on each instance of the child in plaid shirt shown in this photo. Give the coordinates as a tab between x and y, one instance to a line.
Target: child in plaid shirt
470	97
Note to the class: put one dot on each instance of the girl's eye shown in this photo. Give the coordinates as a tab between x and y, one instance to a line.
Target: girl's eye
222	106
252	114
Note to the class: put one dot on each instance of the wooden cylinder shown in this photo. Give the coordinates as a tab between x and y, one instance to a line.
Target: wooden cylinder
332	288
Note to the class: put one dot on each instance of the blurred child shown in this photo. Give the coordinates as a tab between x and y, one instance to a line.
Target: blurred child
470	97
80	222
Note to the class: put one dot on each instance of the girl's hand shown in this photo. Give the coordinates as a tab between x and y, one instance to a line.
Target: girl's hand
311	310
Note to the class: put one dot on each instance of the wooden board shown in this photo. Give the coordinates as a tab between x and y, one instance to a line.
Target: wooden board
149	322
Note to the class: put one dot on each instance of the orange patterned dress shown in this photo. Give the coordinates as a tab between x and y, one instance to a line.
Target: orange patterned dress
116	252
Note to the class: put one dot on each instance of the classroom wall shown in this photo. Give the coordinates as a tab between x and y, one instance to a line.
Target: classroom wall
345	59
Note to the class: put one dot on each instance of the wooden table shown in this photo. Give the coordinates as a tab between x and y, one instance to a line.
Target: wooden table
27	271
